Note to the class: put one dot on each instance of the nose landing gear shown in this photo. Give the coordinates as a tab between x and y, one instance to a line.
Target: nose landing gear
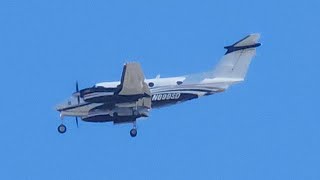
62	129
133	132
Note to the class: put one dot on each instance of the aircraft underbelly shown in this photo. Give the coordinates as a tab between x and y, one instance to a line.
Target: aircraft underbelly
125	114
104	112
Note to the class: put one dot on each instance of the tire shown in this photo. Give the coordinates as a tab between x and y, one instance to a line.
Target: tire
133	132
62	129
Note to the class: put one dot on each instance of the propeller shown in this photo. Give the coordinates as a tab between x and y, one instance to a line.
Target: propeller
77	90
78	98
77	122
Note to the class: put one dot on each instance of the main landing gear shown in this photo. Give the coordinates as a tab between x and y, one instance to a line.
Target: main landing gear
133	131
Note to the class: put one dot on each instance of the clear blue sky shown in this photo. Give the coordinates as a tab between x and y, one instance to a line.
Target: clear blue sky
266	128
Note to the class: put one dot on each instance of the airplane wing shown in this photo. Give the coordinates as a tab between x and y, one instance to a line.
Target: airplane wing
132	88
131	101
132	81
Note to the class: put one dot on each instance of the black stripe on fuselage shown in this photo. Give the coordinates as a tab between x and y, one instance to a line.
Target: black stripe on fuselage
155	103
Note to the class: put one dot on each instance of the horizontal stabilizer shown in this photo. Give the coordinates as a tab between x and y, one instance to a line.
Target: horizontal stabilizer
249	41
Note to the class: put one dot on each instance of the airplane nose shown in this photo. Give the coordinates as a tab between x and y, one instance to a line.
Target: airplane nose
65	104
59	107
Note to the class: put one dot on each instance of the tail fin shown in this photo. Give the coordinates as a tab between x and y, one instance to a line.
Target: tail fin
235	63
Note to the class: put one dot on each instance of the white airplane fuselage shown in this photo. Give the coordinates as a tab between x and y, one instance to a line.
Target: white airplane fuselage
133	96
165	92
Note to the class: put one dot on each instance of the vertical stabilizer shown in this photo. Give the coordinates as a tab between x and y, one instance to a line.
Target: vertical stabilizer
235	63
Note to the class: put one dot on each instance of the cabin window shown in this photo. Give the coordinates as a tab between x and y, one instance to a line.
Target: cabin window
179	82
151	84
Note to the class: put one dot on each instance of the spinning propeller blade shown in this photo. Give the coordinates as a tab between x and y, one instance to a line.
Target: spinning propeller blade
77	90
77	122
78	98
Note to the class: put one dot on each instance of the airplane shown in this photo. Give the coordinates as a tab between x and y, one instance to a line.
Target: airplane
133	96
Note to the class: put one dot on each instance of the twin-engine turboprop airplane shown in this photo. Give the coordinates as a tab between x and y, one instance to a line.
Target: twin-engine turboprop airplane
134	96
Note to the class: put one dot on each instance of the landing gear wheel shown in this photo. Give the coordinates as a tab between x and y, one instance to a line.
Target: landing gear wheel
133	132
62	129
